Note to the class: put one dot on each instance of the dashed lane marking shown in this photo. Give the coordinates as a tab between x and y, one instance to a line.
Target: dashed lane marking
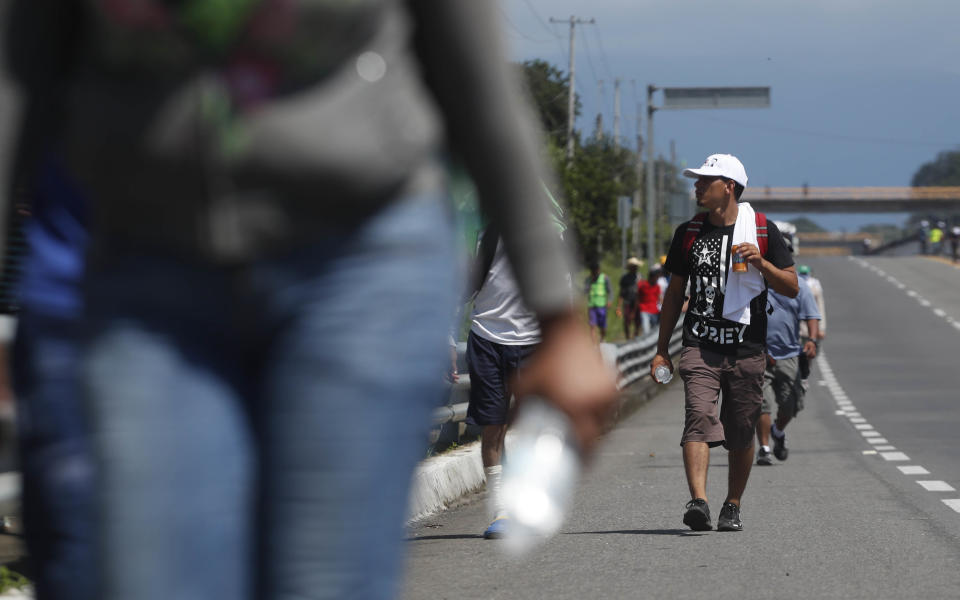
894	456
953	503
880	445
939	312
937	486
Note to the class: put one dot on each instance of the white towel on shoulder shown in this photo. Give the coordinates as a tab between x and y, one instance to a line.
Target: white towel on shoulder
743	287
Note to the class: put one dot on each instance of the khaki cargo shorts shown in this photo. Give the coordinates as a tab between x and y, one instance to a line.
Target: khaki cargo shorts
723	395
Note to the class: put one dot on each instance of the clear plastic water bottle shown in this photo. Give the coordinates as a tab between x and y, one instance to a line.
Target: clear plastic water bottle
662	374
540	473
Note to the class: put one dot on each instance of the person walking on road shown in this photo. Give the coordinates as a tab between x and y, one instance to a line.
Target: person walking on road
649	292
597	289
724	331
627	306
503	334
955	243
782	383
816	288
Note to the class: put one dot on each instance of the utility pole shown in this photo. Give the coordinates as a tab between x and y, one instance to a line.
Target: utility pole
616	112
639	171
571	100
651	201
598	132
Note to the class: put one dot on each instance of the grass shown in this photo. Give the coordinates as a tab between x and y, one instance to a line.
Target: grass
11	580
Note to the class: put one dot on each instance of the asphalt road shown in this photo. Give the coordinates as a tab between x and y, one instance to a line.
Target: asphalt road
839	519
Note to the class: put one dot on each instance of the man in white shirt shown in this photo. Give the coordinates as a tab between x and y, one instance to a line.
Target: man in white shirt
503	333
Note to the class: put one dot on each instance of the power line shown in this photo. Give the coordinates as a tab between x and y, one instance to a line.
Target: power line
603	52
540	19
519	31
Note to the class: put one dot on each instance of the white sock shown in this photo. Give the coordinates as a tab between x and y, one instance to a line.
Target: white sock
494	501
766	449
775	431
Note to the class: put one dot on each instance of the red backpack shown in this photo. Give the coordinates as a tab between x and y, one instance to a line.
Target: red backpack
696	223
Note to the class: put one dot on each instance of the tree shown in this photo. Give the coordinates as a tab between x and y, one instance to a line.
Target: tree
547	87
944	170
599	174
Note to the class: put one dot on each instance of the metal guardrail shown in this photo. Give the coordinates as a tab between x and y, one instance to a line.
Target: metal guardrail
632	359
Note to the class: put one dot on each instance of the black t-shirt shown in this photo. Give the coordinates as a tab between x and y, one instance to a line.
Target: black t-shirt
628	287
704	325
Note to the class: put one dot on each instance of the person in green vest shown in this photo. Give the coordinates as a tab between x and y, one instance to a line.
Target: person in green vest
598	290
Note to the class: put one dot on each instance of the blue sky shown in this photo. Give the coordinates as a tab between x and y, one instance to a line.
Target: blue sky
863	91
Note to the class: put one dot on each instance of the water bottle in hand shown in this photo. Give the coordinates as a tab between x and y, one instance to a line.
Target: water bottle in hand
662	374
539	475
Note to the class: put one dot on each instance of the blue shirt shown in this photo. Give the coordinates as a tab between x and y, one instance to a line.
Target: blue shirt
783	324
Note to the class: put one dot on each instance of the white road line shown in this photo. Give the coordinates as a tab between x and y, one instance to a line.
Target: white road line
878	440
939	312
863	426
869	452
913	470
953	503
937	486
859	420
870	433
884	448
896	456
925	303
853	414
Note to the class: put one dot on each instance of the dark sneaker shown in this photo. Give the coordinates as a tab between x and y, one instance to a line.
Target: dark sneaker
729	519
763	457
779	445
697	516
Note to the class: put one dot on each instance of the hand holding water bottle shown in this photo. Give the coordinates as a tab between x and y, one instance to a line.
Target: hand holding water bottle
661	368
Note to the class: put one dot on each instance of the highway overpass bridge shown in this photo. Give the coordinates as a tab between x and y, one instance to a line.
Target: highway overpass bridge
853	199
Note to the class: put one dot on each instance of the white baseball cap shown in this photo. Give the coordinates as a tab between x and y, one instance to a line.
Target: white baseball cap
720	165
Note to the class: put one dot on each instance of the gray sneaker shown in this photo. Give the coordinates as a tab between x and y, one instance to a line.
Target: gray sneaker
763	457
729	519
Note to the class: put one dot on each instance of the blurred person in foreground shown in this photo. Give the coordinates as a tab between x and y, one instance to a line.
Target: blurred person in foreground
270	269
55	454
724	331
627	306
782	382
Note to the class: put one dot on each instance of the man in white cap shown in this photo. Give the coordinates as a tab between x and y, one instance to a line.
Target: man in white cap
730	254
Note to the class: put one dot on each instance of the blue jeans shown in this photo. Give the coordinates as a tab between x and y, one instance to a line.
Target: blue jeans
55	456
257	426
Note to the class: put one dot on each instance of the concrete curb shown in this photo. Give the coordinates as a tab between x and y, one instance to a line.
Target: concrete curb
440	480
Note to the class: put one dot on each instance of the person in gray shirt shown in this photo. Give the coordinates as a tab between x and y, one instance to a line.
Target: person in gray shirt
782	382
270	266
